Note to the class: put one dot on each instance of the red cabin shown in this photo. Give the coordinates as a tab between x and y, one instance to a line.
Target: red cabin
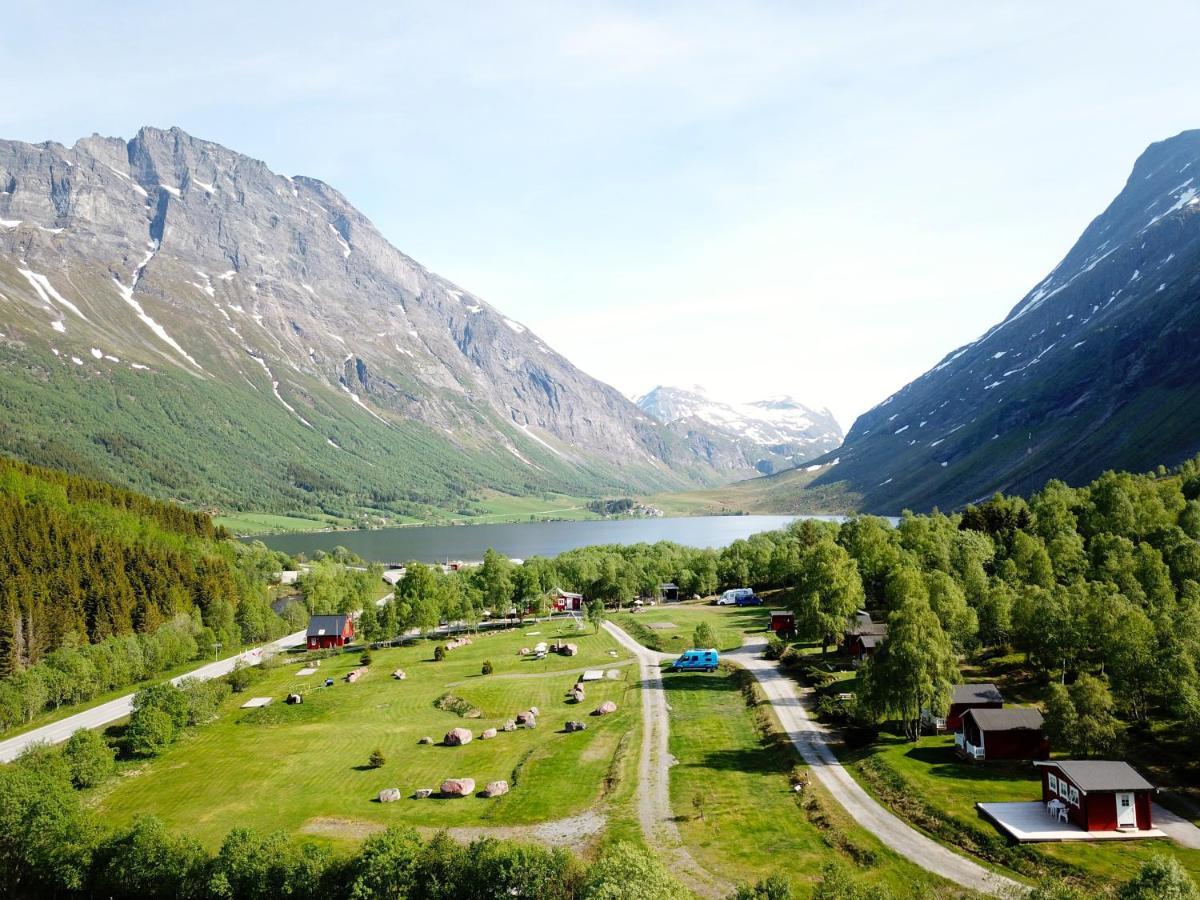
972	696
329	631
863	638
783	622
1099	795
565	601
1013	733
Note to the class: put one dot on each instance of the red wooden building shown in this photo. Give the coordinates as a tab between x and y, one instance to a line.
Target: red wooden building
971	696
329	631
1099	795
565	601
783	622
1013	733
863	638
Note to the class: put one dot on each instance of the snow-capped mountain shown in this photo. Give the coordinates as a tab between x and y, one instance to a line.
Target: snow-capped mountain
1098	367
177	316
757	436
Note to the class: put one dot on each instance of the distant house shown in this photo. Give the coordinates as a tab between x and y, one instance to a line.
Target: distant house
971	696
287	576
669	592
1099	795
783	622
863	637
393	576
565	601
329	631
1013	733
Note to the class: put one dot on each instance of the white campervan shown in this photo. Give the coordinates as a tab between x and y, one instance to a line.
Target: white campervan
730	598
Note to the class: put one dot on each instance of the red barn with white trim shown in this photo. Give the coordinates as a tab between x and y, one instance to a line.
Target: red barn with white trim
1099	795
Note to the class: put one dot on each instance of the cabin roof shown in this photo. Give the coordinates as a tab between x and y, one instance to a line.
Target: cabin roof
322	626
1101	774
1015	718
977	693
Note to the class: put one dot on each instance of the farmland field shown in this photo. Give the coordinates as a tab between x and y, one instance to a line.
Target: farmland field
303	769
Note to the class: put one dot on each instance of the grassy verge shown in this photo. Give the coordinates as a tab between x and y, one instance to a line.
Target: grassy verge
668	628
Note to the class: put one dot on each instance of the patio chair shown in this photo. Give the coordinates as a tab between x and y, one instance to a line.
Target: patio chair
1062	813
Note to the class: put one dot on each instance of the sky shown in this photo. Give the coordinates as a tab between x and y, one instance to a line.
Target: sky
763	198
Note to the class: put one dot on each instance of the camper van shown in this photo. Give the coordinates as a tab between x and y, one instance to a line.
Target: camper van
738	597
696	661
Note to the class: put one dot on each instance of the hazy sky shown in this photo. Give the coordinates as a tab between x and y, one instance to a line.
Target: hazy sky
819	199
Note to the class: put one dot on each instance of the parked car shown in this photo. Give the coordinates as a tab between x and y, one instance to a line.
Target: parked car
697	661
730	598
749	600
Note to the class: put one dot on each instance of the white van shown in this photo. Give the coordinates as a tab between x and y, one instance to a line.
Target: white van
730	598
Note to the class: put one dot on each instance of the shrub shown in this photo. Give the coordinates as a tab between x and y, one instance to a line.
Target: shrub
240	678
150	731
1161	878
365	659
775	647
377	759
487	667
89	758
439	653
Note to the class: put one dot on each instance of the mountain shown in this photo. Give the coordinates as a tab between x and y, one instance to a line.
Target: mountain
761	436
176	317
1097	367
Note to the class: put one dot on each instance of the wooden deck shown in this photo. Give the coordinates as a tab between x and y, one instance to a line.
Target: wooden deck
1029	823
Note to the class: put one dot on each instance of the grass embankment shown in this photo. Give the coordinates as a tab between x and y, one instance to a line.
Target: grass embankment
668	627
926	783
732	794
304	768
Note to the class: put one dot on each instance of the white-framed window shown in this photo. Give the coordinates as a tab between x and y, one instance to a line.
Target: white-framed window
1064	789
1074	798
1052	781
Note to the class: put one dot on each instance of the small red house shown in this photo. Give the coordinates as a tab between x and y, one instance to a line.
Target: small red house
1013	733
565	601
863	638
329	631
783	622
971	696
1099	795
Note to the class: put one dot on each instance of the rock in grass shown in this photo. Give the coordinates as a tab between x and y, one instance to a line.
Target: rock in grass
458	787
495	789
533	711
524	717
576	726
425	740
456	737
605	708
422	793
487	734
399	675
510	725
389	795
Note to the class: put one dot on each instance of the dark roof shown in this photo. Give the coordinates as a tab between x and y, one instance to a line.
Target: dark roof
568	594
668	586
323	626
1101	774
1015	718
976	693
782	612
873	640
874	628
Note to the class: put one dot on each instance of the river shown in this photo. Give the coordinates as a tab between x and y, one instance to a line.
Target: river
438	543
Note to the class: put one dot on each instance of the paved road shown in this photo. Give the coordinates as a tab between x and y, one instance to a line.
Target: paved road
101	715
654	767
811	742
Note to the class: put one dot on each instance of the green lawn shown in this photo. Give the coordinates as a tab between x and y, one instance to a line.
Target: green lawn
753	823
302	768
269	523
937	775
729	623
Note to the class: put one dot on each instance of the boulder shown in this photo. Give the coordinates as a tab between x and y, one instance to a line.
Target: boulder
577	695
399	675
510	725
605	708
456	737
389	795
422	793
487	734
533	711
525	651
576	726
293	699
425	740
523	717
495	789
568	649
458	787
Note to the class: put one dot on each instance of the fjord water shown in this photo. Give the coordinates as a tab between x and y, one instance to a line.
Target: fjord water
438	543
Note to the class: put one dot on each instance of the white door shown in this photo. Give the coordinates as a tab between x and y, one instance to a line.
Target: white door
1126	811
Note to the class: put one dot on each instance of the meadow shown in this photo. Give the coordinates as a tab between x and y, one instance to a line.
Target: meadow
304	768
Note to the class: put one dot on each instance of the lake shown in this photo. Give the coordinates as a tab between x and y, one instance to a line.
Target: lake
438	543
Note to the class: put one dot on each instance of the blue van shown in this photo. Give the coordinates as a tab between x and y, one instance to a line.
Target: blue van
696	661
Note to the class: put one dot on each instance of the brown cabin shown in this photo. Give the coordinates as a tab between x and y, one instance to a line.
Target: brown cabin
971	696
863	637
1099	795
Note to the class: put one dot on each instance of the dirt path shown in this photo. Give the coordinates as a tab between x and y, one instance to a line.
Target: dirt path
654	775
810	739
572	832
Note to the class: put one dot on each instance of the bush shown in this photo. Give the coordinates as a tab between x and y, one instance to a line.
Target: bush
1162	878
365	659
89	758
240	678
377	759
150	731
775	647
439	653
487	667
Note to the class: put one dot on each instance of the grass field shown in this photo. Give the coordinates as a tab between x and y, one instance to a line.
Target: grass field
749	823
936	774
303	768
789	492
268	523
729	624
